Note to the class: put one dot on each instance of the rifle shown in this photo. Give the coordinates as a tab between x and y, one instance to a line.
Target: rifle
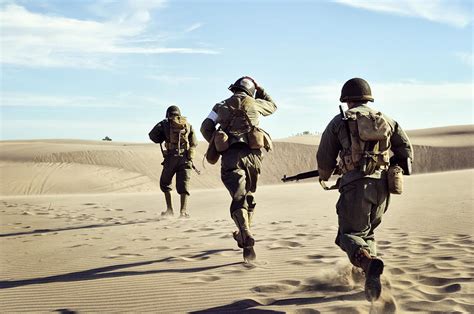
301	176
194	168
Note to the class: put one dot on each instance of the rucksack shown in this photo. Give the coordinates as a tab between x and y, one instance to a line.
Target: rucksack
178	134
234	120
370	141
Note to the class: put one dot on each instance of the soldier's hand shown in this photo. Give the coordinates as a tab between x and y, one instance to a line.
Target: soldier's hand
191	154
254	82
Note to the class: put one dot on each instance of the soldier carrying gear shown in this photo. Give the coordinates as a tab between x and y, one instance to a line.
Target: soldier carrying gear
239	141
180	143
363	138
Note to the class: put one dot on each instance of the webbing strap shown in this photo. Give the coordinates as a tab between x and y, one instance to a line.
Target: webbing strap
328	188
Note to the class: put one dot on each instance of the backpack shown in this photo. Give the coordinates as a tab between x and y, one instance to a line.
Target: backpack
233	118
370	141
178	134
234	121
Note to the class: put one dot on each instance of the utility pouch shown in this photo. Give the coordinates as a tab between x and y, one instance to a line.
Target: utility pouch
395	179
256	138
212	156
221	141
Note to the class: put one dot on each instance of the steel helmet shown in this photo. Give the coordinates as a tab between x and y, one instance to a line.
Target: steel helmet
172	110
244	84
356	89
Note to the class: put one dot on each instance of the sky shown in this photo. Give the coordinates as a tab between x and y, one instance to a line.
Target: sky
84	69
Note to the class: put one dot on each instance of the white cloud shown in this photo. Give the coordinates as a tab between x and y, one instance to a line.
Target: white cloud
465	57
33	39
451	12
123	100
193	27
408	94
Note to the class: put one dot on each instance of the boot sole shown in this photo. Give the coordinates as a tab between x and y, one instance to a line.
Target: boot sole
373	286
249	254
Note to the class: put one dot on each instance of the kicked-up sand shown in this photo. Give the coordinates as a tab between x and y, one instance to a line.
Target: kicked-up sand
106	248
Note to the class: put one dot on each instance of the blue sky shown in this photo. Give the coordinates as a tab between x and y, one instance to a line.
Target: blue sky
87	69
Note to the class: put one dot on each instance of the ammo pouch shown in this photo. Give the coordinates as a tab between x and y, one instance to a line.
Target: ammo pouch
256	138
212	156
395	179
221	141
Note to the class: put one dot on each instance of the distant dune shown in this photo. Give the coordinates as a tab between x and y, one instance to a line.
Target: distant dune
80	166
77	237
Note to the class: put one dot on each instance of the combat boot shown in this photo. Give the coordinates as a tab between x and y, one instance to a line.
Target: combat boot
169	205
243	237
184	201
373	268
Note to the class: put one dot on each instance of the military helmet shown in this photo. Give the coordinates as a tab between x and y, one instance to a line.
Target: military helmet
172	110
244	84
356	89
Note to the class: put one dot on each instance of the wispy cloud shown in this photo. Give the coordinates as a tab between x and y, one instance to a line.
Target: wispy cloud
123	100
193	27
465	57
453	12
34	39
409	93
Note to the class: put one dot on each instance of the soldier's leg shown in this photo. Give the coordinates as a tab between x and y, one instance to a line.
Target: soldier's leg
233	176
183	176
165	185
354	208
253	164
383	200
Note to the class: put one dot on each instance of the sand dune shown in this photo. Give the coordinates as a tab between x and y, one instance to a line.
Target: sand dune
75	166
113	253
81	232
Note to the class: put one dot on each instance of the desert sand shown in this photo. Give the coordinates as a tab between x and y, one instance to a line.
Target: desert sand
81	231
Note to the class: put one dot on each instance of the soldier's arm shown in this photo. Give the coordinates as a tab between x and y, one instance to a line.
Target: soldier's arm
266	106
157	134
208	126
401	145
329	148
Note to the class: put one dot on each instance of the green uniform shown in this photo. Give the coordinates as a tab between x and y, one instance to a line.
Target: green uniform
240	165
364	198
177	160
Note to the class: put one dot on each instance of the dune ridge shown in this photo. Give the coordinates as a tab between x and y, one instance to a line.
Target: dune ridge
79	166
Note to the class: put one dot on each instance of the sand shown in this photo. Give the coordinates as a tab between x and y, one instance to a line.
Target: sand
76	237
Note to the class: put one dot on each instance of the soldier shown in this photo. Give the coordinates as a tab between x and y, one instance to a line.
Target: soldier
180	143
362	137
239	141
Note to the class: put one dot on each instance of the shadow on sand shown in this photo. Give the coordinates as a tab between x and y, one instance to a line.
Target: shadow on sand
36	231
117	271
247	305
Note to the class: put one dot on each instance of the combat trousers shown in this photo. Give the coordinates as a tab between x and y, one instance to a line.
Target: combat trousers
240	168
182	167
360	208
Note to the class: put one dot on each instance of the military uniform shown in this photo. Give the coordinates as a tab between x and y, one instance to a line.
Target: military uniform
364	195
177	161
240	164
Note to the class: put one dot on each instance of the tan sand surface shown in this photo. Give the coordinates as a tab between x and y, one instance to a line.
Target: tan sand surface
113	252
77	166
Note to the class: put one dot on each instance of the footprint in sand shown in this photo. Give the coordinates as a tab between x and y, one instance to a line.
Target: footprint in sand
272	288
203	279
284	245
